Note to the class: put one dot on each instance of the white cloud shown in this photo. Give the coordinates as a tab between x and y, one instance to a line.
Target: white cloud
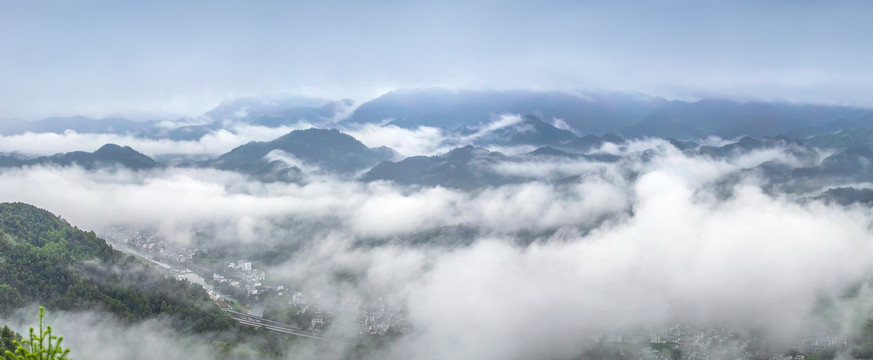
423	140
746	263
213	143
647	240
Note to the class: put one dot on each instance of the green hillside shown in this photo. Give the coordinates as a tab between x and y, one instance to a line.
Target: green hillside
44	260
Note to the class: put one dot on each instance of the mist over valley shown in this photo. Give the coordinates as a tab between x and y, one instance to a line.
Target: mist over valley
436	180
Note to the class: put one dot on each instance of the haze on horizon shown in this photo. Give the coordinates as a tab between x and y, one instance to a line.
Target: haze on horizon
99	58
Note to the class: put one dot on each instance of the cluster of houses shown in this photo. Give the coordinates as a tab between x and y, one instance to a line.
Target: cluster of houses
378	320
242	275
153	244
375	319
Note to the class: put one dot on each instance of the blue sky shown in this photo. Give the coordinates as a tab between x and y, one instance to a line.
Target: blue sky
179	58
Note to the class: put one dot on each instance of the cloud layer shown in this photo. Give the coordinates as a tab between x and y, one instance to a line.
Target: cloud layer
527	270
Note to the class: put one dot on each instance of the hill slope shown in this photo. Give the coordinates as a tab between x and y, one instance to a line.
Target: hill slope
530	131
331	150
466	167
45	260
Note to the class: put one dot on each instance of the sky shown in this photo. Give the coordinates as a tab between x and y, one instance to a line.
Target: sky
658	222
168	58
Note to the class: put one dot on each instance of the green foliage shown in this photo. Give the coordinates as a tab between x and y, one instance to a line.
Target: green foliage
826	354
40	346
44	259
234	292
669	349
607	352
10	299
281	312
7	340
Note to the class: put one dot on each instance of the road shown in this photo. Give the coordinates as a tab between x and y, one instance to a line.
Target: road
192	277
252	320
128	250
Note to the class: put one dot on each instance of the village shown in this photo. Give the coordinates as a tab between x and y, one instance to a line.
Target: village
239	282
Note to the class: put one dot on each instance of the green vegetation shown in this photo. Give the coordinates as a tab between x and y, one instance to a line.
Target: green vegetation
668	349
7	340
610	352
225	288
862	345
40	346
44	259
826	354
283	313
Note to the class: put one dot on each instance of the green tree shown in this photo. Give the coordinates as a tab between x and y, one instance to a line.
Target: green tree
40	346
44	259
7	340
10	299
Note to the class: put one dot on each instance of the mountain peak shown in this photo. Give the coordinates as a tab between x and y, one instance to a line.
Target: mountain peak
330	150
109	154
113	148
126	156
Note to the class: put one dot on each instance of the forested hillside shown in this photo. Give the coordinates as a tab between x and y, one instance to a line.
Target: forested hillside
45	260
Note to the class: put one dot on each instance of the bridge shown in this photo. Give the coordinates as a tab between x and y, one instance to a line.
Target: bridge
257	321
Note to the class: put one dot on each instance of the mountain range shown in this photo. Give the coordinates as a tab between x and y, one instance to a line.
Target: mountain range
632	115
298	155
549	124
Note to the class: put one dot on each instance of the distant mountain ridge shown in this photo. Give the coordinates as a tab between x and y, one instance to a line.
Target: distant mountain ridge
843	139
253	107
465	167
106	156
596	113
300	154
631	115
531	130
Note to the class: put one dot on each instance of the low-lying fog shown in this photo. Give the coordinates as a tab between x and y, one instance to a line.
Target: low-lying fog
657	238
